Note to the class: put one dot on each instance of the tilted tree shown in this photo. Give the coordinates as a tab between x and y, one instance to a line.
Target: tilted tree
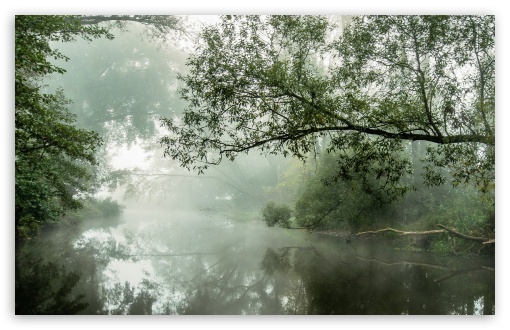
278	83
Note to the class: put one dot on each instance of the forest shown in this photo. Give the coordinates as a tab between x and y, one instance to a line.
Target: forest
245	152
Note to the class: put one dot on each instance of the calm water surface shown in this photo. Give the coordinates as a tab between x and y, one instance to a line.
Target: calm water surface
156	262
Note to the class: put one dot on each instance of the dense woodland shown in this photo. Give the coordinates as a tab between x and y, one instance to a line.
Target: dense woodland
339	124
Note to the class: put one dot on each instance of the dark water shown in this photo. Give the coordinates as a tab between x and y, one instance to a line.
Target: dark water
157	262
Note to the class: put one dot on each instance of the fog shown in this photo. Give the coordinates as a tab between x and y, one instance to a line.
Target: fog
265	206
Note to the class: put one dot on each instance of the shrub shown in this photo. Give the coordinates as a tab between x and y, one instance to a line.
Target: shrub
277	214
109	207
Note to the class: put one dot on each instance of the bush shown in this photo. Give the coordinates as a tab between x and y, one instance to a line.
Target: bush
277	214
109	207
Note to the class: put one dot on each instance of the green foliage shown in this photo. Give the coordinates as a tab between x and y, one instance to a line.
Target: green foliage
346	205
279	83
276	214
324	202
54	159
32	36
463	209
109	207
286	189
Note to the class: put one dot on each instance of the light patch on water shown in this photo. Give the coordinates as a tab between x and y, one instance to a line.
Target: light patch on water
225	197
285	301
128	271
478	309
99	235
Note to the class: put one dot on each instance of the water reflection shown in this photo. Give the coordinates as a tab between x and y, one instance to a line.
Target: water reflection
46	288
187	263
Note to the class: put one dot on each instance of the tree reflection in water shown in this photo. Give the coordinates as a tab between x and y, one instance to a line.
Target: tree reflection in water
46	288
200	267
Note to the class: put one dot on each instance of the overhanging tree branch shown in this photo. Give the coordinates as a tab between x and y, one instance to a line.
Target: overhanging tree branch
397	84
299	134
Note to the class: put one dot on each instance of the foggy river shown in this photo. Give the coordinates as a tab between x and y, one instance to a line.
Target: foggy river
163	262
224	164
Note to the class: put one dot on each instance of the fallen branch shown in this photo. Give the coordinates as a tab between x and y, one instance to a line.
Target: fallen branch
471	238
403	262
444	229
403	233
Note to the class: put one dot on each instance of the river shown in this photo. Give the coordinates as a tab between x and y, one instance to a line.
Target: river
152	261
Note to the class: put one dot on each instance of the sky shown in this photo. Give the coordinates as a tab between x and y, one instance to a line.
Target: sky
11	8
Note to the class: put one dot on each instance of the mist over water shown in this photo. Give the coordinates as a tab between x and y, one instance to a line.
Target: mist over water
302	141
181	251
163	261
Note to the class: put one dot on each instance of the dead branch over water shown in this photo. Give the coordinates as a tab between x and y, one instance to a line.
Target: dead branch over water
432	232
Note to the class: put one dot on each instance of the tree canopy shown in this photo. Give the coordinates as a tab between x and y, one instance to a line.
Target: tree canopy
53	157
120	88
281	84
